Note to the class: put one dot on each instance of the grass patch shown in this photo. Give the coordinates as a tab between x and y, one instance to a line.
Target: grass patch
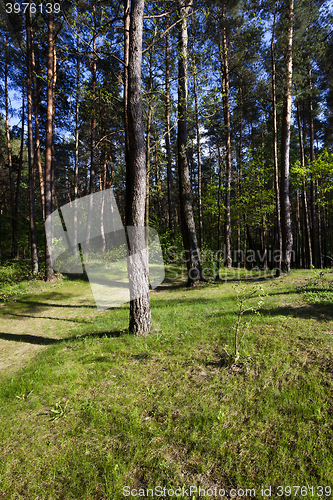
99	409
319	289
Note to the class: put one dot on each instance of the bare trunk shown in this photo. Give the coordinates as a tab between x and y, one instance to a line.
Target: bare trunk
49	140
304	196
219	239
33	234
312	185
319	232
54	199
198	150
148	135
167	136
287	236
157	178
140	316
92	136
126	59
275	151
239	181
298	238
226	113
77	132
10	163
19	172
185	189
37	138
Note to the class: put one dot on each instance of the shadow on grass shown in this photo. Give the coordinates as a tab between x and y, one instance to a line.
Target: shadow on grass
73	320
76	277
46	304
321	312
170	284
38	340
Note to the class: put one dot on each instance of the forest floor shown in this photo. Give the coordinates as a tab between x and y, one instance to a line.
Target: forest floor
87	409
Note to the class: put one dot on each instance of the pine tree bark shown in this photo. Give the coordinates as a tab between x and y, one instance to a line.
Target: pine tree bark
287	236
275	151
33	234
198	150
240	180
167	135
92	134
312	183
77	136
191	249
140	316
126	59
37	136
219	196
148	137
19	171
49	140
304	195
226	114
9	153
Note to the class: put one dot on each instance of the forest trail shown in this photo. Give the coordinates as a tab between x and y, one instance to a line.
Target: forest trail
36	320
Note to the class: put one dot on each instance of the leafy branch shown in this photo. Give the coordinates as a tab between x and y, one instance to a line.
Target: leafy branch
241	328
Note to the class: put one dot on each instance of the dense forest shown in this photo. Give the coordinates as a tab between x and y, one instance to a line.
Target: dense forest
215	118
166	249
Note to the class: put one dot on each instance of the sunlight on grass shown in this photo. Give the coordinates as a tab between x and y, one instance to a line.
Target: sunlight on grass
102	409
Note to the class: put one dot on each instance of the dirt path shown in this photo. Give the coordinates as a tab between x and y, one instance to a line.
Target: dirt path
36	320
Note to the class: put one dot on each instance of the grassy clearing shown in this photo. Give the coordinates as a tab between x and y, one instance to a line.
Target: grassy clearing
98	409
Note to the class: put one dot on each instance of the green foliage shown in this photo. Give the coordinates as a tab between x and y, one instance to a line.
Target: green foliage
321	169
257	198
14	278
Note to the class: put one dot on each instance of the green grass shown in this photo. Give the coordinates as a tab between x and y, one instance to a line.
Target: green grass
101	409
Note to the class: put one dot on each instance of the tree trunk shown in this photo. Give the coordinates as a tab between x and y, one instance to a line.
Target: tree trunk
54	200
140	316
37	138
219	196
49	140
298	237
92	136
126	58
33	234
287	236
167	136
312	184
226	114
240	180
10	163
77	132
19	172
185	191
275	151
304	196
148	137
198	150
158	179
319	231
